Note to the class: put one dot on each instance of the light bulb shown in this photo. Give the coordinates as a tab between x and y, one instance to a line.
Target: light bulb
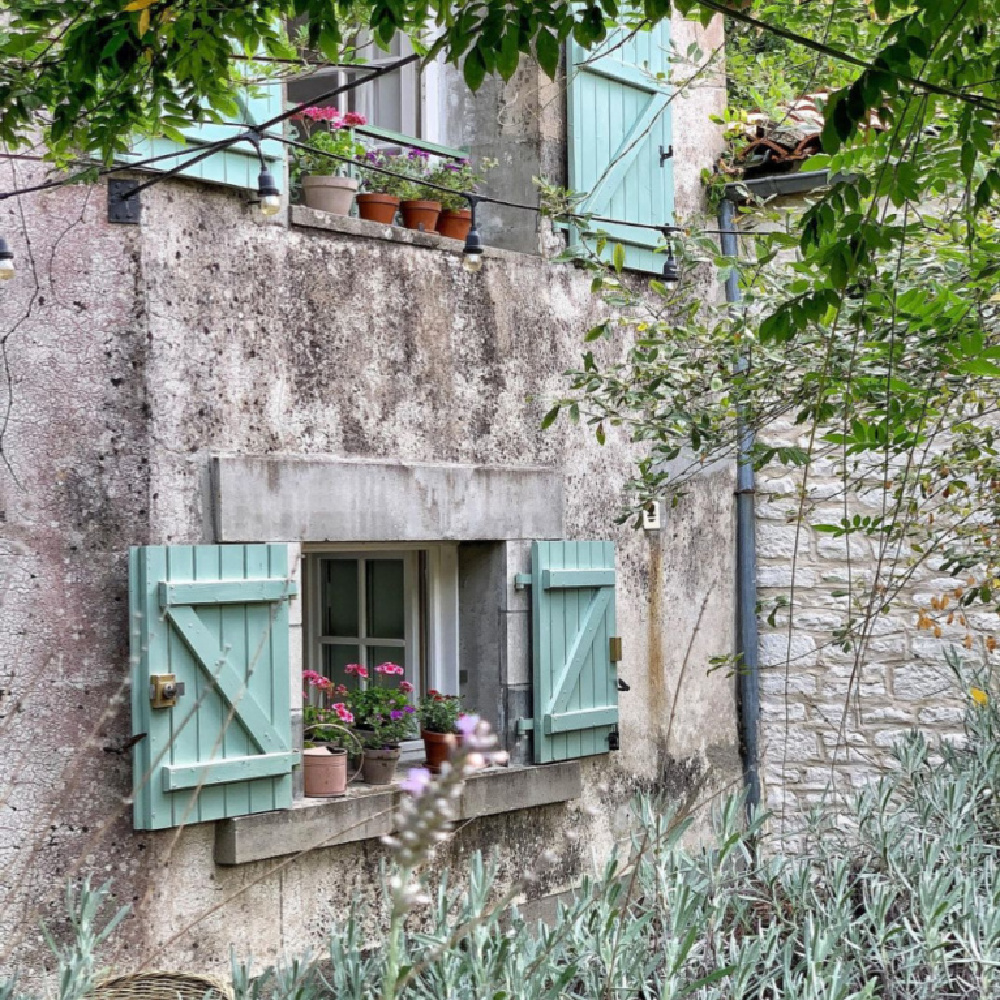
6	269
270	205
472	262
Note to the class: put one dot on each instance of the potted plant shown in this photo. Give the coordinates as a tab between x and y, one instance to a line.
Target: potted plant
420	206
323	178
379	201
455	219
438	725
326	737
383	717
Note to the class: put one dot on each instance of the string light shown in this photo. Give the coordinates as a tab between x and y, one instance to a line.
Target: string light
671	272
472	252
7	268
267	191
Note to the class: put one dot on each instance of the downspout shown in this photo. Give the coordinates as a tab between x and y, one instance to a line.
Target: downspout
748	662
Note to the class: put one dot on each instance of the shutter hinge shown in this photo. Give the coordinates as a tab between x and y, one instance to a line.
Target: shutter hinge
614	741
622	686
524	726
666	155
522	580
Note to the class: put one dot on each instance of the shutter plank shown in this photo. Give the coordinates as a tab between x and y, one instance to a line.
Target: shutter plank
233	619
212	774
260	619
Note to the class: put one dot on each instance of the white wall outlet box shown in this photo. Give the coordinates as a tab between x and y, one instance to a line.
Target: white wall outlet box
651	516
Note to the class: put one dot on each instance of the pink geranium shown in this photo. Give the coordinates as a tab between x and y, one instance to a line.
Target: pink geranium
354	118
406	686
389	669
357	669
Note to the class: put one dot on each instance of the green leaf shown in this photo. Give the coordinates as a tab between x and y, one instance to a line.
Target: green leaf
474	69
550	418
618	257
547	52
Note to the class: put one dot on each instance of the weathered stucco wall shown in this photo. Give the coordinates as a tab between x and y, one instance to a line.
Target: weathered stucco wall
141	352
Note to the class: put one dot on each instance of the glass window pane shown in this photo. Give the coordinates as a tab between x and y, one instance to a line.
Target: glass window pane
335	658
340	598
385	599
385	654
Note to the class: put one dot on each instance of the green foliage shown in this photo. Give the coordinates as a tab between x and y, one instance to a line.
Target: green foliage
439	712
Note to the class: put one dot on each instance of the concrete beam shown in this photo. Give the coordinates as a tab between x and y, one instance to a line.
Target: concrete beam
369	812
320	500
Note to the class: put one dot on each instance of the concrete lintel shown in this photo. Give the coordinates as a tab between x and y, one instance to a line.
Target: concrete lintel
345	500
365	813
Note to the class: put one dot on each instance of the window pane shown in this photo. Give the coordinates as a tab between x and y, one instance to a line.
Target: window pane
385	600
335	658
340	598
385	654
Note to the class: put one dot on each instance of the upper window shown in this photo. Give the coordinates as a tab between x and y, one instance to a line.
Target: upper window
396	102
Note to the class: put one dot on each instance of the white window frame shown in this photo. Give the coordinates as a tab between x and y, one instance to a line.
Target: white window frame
441	669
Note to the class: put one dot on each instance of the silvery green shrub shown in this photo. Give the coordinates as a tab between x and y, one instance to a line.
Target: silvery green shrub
900	903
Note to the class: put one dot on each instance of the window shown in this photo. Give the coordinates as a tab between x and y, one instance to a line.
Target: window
381	604
403	101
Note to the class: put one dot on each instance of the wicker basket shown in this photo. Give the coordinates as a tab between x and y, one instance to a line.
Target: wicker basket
161	986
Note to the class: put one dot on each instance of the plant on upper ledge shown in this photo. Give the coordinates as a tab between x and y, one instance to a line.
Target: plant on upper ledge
455	220
321	169
439	715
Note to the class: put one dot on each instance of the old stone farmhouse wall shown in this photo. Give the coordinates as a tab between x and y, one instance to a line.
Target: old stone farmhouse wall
135	355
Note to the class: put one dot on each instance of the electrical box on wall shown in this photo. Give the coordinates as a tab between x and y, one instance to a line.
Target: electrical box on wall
651	516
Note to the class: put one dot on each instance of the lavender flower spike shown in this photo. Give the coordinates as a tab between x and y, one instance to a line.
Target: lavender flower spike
467	725
417	779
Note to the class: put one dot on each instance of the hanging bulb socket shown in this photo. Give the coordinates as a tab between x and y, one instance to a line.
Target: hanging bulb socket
472	252
671	272
6	260
267	191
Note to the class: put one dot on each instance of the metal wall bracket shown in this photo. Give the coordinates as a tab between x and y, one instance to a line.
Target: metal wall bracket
522	580
524	726
668	154
124	206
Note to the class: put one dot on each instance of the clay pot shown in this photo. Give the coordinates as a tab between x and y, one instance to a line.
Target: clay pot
437	749
379	766
455	225
378	208
325	771
422	215
328	193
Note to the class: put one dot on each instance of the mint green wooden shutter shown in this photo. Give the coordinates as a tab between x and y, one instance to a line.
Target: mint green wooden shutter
238	165
573	619
619	119
215	616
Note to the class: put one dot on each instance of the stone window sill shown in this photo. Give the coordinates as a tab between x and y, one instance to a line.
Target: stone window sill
301	217
366	812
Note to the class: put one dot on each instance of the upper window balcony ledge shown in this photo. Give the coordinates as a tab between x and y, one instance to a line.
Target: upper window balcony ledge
367	811
301	217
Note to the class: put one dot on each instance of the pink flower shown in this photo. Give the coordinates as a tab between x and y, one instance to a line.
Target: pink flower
345	716
388	669
324	684
405	686
339	707
355	118
340	689
311	677
356	668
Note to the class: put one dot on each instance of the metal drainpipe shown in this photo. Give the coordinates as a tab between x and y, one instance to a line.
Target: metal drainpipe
746	554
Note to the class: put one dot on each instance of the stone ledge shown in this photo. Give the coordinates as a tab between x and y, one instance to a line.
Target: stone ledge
368	812
347	225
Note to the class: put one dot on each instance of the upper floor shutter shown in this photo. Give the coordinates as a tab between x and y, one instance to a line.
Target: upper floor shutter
620	135
215	617
575	683
237	165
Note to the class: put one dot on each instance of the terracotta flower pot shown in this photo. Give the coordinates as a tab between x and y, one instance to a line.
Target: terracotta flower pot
379	766
422	215
329	194
455	224
437	749
378	208
325	771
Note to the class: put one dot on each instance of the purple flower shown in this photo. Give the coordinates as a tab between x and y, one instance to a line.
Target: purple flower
417	154
396	715
467	724
455	168
409	710
417	779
